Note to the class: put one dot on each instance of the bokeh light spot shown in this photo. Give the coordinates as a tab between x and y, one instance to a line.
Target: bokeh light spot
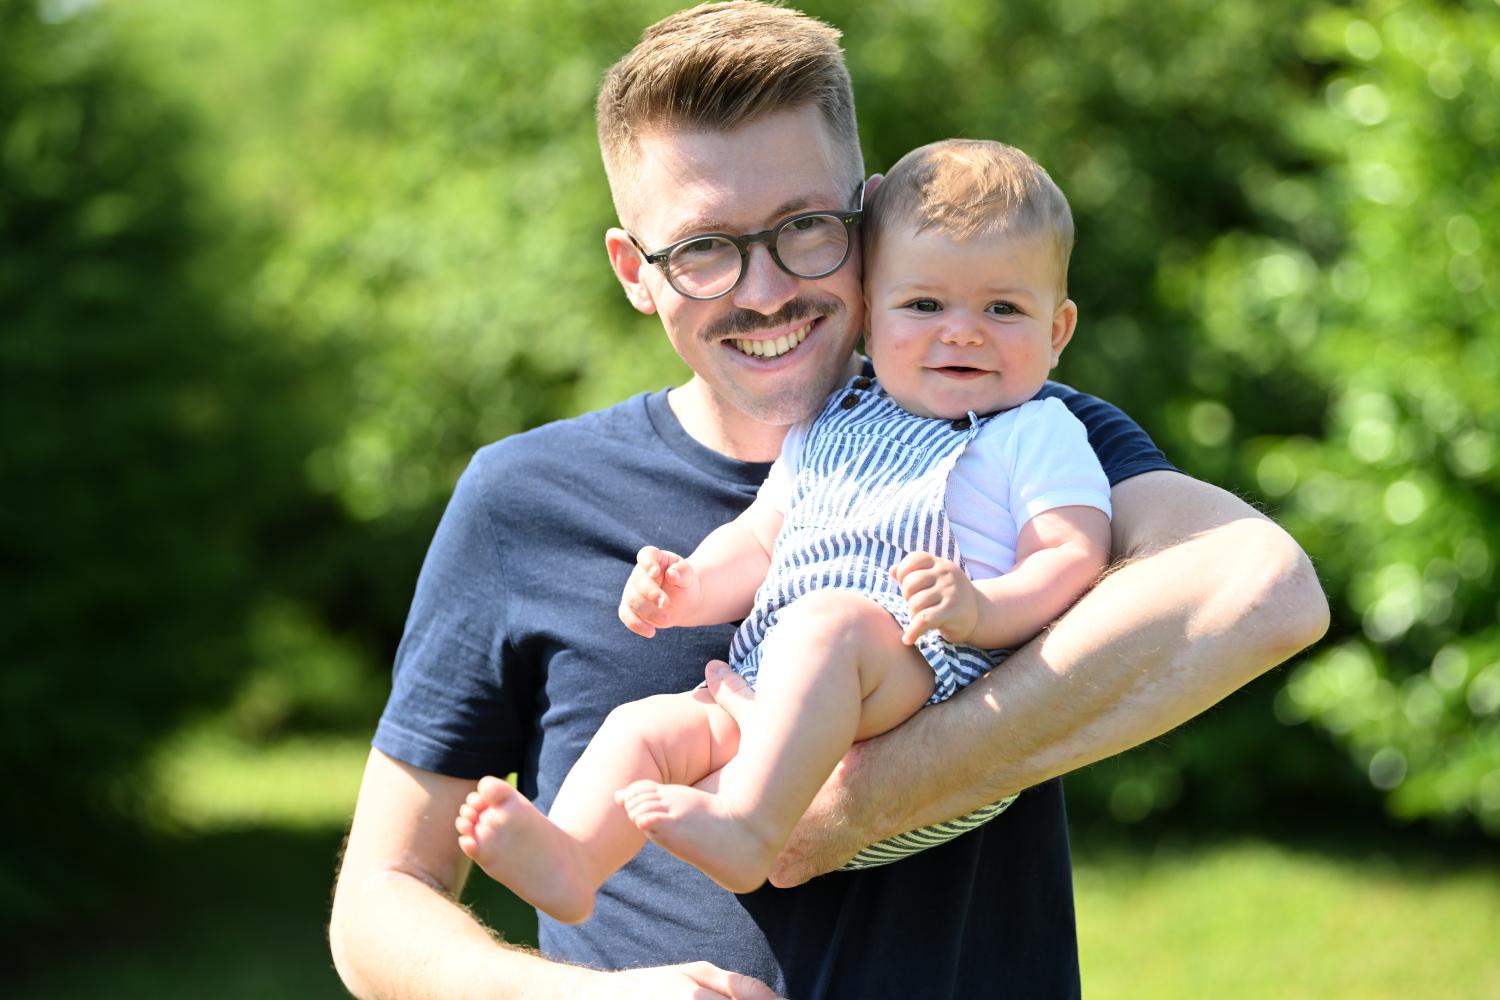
1387	768
1405	501
1463	234
1472	557
1276	473
1371	440
1210	423
1484	691
1362	40
1472	453
1443	79
1450	668
1367	104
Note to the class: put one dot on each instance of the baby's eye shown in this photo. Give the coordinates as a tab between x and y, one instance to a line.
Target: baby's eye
1002	309
924	305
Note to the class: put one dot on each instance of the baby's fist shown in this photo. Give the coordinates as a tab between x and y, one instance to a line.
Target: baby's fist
661	587
939	595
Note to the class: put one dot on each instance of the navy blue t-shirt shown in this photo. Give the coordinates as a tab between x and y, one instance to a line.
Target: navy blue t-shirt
513	655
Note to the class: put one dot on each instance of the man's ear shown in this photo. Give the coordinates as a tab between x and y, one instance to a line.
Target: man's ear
629	268
1064	320
872	184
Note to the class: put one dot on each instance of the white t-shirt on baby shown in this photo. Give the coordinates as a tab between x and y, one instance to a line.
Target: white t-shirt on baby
1025	461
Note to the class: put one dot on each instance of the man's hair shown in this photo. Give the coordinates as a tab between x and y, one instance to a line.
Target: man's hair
968	188
716	67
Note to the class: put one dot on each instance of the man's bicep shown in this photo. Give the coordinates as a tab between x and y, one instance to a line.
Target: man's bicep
403	825
1158	509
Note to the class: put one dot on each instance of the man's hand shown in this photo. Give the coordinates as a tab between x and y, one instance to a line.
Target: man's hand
940	595
662	591
693	981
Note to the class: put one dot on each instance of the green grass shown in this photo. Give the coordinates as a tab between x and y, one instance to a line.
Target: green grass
236	897
1258	919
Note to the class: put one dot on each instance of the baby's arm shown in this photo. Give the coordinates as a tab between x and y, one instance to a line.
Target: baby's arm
715	584
1059	555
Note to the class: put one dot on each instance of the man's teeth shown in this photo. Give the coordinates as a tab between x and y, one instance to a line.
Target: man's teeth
773	348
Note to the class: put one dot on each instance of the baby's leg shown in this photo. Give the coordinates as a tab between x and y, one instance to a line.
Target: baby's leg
834	670
558	861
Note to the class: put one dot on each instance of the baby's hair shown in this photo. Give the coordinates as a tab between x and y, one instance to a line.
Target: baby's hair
968	188
716	67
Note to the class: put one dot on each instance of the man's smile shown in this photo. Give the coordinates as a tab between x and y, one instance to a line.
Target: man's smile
771	347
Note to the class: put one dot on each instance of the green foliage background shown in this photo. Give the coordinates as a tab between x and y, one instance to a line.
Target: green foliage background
270	271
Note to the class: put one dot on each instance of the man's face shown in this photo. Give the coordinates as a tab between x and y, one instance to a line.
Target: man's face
772	348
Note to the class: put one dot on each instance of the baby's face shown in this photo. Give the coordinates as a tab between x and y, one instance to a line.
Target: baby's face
965	325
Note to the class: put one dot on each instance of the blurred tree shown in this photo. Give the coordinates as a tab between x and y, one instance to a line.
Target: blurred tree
1399	323
152	448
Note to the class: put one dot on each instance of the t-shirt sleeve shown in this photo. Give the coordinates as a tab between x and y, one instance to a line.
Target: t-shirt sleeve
1124	449
458	685
1053	465
777	489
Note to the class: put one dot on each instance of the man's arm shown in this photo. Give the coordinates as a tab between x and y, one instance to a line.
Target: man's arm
397	929
1209	594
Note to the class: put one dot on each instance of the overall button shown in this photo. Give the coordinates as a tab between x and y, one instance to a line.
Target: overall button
863	382
961	423
848	402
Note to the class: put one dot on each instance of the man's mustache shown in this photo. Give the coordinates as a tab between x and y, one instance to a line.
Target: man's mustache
746	321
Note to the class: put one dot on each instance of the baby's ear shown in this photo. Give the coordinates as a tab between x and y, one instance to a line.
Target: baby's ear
628	263
1064	320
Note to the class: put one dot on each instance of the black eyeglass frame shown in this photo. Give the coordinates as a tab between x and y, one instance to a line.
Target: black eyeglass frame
660	258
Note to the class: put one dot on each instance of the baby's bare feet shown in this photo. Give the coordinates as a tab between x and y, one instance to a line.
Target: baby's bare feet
700	829
515	844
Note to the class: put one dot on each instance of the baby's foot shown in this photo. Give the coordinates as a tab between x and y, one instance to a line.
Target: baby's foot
700	829
515	844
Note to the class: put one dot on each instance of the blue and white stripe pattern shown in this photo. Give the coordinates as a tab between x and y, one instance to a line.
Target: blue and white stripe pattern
870	489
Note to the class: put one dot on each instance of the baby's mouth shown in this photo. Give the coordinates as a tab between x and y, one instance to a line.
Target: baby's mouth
772	348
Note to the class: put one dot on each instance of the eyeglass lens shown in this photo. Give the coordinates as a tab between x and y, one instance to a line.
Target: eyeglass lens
809	247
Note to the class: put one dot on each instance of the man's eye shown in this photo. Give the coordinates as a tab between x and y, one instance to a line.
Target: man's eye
1003	309
924	306
699	247
803	225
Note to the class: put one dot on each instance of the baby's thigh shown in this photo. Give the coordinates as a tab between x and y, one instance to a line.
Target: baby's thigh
846	630
687	734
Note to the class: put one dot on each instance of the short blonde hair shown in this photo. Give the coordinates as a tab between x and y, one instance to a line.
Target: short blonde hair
968	188
716	67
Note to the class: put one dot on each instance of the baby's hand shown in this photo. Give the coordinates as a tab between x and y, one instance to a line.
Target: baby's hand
661	592
940	595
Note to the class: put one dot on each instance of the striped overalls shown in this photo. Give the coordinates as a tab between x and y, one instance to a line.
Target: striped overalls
870	489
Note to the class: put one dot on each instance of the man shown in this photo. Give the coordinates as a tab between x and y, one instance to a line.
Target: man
731	119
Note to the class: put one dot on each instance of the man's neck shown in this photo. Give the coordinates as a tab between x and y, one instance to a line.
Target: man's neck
713	423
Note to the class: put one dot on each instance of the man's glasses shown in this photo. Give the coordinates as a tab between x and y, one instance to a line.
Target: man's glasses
711	265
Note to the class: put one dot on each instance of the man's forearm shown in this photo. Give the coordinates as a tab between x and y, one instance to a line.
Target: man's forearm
1165	636
397	938
396	931
1107	679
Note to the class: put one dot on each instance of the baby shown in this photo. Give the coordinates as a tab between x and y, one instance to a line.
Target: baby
923	523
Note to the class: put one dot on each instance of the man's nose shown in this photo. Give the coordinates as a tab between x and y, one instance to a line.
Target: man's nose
765	287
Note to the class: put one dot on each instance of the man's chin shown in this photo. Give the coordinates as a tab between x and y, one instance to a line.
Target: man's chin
785	390
785	407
